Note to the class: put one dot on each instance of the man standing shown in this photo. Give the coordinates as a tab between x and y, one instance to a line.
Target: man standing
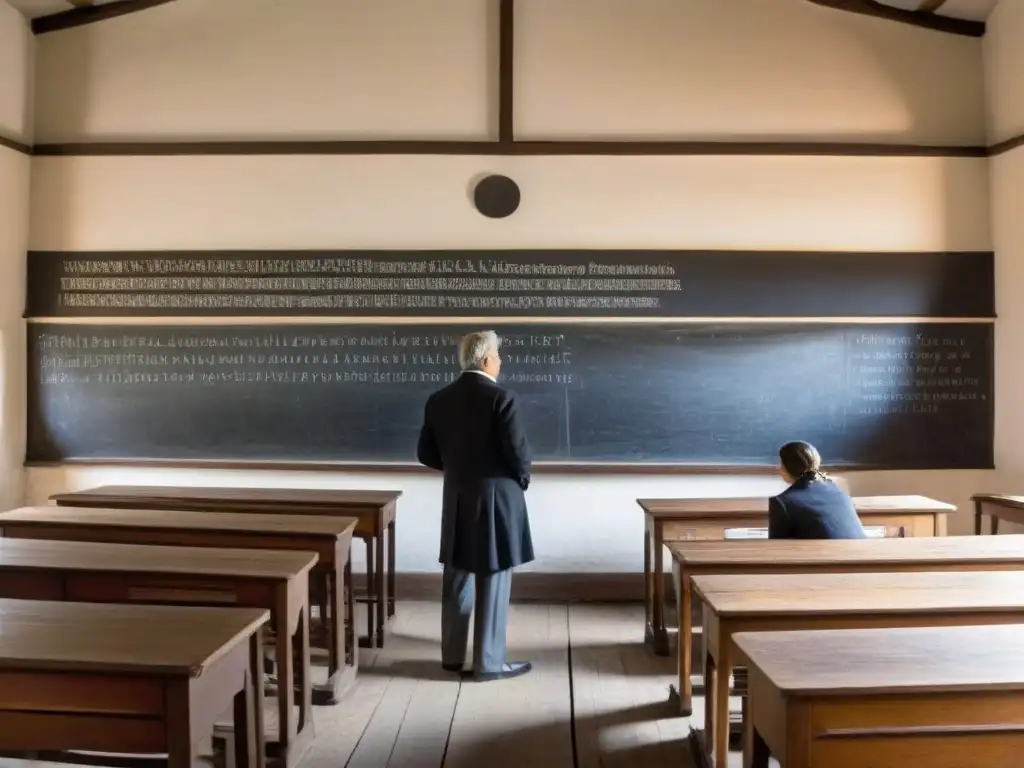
473	432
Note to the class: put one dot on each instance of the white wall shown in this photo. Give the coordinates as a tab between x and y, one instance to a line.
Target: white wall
1004	71
401	69
584	68
15	124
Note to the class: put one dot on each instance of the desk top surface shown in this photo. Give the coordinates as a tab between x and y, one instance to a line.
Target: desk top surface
232	497
170	640
862	593
893	661
758	506
226	522
782	553
1001	499
42	554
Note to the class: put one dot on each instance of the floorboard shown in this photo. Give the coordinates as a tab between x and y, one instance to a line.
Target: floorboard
623	718
524	722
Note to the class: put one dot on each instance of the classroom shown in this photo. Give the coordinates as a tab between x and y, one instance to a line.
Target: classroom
260	259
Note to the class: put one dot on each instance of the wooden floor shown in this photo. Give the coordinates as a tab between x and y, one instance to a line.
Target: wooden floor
596	697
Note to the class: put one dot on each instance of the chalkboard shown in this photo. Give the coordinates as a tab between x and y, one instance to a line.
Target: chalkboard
536	284
883	395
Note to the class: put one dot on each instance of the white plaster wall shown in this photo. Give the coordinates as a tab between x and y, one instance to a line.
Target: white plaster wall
16	124
584	68
733	69
807	203
16	84
272	69
1004	71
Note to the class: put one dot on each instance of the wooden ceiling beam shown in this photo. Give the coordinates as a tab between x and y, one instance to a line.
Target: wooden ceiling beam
916	18
83	14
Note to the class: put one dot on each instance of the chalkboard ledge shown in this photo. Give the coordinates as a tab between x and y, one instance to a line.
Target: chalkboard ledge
540	468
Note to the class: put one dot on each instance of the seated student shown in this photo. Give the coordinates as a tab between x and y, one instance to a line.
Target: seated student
813	507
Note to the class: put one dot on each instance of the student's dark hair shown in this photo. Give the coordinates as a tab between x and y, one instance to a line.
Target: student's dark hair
801	460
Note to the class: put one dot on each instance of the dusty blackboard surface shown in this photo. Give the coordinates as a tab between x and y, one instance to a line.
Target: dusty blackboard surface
875	395
542	283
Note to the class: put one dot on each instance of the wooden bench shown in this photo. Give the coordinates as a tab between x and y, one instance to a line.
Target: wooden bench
329	537
130	679
766	603
932	697
376	512
998	506
668	520
117	573
689	559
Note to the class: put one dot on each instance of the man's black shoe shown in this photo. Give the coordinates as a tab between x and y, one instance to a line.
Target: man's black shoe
452	667
507	671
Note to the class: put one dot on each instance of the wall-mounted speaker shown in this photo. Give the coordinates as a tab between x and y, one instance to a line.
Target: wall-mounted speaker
496	196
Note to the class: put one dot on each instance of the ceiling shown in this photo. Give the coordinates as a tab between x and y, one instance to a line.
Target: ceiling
972	10
36	8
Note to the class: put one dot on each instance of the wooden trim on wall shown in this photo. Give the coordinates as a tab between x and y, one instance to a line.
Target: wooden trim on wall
506	71
925	19
17	146
90	14
1008	145
509	147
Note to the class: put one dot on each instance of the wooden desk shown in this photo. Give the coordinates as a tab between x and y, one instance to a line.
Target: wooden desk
998	506
940	698
116	573
376	512
329	537
689	559
768	603
708	519
136	679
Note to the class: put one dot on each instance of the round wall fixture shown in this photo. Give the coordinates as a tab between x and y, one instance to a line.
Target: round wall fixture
496	196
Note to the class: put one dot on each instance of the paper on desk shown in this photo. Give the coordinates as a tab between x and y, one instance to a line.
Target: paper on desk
873	532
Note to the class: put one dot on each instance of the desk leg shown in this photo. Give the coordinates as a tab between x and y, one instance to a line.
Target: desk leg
285	658
351	641
247	751
181	751
256	661
710	691
381	588
371	592
648	588
304	679
342	645
659	634
391	569
977	518
721	723
684	648
995	525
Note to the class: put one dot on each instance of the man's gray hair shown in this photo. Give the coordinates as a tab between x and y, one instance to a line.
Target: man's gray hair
474	347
